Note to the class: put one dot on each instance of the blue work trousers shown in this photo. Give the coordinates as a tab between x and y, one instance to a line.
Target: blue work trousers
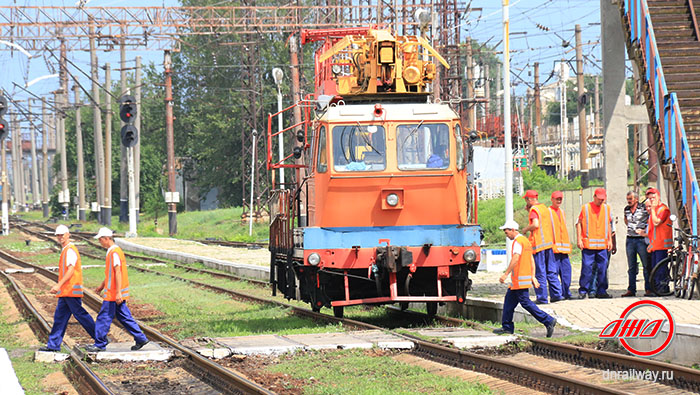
637	246
521	296
108	311
64	309
589	260
661	277
564	265
547	274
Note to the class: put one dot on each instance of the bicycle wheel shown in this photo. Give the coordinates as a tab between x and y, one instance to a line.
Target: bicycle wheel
680	280
668	261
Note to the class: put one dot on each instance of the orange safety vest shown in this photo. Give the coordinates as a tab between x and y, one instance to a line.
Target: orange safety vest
542	238
562	245
110	275
596	227
72	288
660	237
521	276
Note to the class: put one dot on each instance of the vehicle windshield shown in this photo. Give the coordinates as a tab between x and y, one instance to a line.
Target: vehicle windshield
423	146
359	148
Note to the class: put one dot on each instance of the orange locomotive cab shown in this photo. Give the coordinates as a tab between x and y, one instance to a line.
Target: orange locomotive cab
390	213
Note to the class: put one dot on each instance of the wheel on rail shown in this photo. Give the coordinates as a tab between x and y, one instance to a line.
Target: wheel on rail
431	307
652	276
338	311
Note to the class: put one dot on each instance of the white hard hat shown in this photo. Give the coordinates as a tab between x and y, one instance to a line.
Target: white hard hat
510	225
103	232
61	229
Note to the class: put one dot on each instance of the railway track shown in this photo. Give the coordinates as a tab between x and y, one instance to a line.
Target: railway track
82	377
545	366
214	375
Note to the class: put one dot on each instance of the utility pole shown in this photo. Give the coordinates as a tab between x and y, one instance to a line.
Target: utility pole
562	119
538	111
508	192
44	160
582	125
97	128
15	166
499	91
137	147
20	163
5	185
35	164
487	92
471	107
596	114
81	161
170	142
107	209
123	172
62	100
296	97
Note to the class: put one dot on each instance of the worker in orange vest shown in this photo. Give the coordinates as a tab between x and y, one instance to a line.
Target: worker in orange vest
521	270
116	287
562	244
594	238
660	237
542	241
69	291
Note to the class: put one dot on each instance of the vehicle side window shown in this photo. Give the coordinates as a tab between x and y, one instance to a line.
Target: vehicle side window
322	163
423	146
460	147
359	148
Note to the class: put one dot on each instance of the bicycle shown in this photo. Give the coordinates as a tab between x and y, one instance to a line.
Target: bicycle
683	268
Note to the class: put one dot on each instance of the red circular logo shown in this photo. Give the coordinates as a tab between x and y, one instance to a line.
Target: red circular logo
671	328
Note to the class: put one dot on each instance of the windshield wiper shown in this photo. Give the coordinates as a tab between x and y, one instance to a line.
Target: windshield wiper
411	134
366	140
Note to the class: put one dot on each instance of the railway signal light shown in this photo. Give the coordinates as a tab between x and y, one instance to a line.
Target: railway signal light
127	110
4	129
130	135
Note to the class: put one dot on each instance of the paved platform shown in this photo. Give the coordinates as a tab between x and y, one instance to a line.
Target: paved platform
122	352
243	262
276	344
467	338
8	378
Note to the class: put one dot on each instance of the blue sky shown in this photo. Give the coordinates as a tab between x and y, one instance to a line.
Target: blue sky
529	43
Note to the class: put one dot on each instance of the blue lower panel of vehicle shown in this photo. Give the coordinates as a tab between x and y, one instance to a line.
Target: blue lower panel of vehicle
367	237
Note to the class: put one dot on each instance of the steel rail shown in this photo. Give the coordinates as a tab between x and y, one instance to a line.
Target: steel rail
684	378
220	374
95	384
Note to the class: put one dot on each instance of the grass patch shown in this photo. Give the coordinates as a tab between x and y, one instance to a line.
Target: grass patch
356	372
193	312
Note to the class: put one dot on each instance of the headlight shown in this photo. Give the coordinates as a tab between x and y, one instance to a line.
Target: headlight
392	199
314	259
469	256
336	69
